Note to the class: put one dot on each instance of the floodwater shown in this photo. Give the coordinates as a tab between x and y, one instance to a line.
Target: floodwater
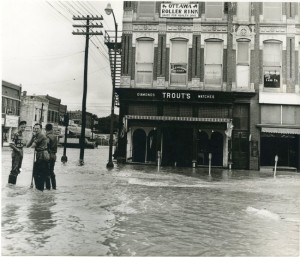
136	210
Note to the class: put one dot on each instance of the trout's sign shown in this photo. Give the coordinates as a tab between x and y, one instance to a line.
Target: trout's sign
179	10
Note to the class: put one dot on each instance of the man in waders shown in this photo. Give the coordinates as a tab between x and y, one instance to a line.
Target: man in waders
52	149
41	169
17	144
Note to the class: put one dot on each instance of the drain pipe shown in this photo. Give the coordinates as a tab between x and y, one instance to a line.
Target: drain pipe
276	160
209	164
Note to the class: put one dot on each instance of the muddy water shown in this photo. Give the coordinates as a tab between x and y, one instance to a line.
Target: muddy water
138	210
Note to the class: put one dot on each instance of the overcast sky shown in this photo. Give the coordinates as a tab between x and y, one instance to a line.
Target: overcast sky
40	52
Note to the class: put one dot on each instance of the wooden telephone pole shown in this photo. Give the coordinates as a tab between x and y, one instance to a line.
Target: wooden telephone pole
87	32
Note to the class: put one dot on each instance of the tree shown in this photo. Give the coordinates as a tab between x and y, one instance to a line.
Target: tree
103	125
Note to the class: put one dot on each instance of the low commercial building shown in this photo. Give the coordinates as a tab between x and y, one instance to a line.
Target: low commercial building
11	99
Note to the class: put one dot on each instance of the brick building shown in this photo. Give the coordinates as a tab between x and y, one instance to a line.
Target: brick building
217	78
11	99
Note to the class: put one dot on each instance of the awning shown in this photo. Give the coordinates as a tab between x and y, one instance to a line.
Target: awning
175	118
281	130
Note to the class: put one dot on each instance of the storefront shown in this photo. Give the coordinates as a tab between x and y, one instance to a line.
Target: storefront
9	126
184	127
280	129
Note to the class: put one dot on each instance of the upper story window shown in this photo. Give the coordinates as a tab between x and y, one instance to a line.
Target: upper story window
272	61
272	11
213	62
243	11
214	10
178	62
144	61
243	63
146	9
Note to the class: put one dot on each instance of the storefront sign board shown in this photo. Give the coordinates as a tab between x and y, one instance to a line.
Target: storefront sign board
183	10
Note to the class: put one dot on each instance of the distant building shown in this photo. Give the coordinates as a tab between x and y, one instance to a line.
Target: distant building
34	109
11	98
76	117
53	110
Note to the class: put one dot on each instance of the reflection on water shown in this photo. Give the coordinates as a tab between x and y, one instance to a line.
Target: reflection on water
136	210
40	214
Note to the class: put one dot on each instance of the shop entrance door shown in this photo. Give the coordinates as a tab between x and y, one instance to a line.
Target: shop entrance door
139	146
216	149
240	149
177	147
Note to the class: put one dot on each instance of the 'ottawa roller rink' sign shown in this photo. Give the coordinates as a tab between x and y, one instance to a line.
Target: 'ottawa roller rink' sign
179	10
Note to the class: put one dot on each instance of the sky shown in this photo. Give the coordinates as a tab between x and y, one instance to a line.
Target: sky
40	53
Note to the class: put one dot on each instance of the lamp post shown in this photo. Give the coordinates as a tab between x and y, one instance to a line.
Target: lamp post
110	164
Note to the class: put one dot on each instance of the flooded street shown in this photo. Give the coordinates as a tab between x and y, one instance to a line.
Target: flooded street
138	210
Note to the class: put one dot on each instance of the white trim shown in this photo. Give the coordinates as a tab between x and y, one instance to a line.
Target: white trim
279	98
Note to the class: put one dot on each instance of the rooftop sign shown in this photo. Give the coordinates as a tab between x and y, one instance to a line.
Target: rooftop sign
179	10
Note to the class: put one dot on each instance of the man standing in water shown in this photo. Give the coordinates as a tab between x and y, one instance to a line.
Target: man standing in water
52	149
41	169
17	144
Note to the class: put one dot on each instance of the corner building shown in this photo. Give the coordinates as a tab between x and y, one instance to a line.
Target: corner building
198	80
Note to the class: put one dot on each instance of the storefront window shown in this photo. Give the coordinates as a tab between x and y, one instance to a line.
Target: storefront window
214	10
213	63
288	115
272	64
144	62
179	58
272	11
270	114
243	11
142	109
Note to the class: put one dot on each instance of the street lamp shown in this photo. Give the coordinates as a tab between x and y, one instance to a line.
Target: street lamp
110	164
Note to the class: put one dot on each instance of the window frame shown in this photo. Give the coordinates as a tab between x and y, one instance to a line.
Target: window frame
214	6
140	15
178	63
243	65
264	12
249	11
213	40
272	67
138	62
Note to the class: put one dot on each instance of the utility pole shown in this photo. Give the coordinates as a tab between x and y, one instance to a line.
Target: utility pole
87	32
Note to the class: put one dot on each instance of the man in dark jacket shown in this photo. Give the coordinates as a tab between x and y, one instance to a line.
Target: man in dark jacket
52	149
16	144
39	142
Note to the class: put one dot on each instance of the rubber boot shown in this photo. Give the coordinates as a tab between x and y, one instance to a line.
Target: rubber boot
48	184
12	179
53	182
